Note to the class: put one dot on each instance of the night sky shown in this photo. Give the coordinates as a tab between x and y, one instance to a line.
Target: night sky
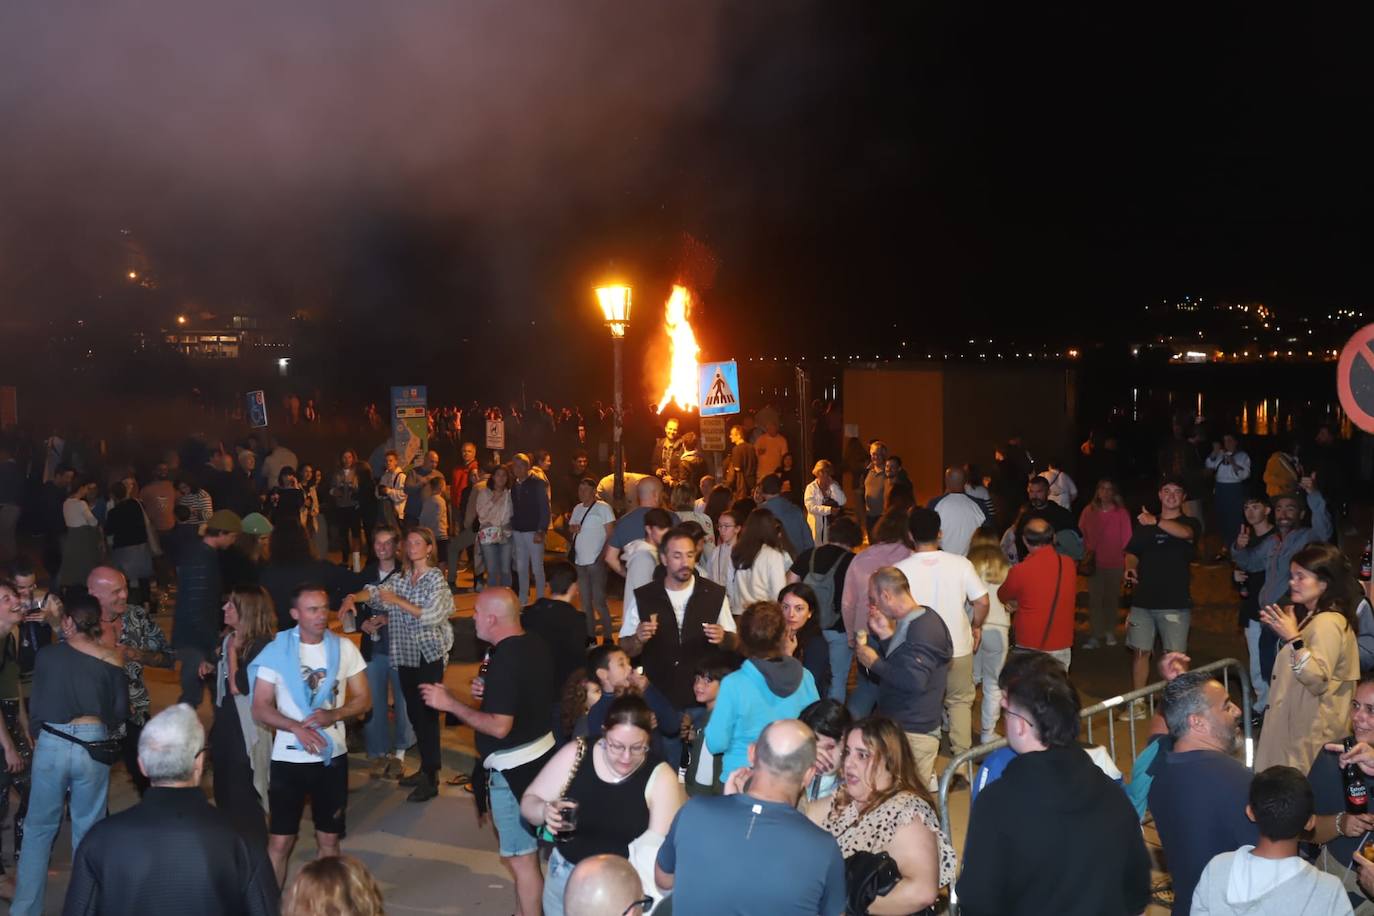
417	174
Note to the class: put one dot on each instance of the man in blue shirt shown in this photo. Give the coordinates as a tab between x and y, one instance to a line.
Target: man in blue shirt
726	849
1200	789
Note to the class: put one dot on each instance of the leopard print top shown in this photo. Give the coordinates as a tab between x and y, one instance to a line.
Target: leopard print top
874	831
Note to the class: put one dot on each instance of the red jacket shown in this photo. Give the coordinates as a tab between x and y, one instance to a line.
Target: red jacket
1031	584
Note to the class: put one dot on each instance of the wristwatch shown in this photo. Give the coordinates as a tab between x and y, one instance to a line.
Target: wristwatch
1296	644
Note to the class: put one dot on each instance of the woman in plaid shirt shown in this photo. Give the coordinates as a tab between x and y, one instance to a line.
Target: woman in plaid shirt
419	605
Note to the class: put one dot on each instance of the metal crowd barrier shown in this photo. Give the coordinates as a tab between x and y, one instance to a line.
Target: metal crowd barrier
971	757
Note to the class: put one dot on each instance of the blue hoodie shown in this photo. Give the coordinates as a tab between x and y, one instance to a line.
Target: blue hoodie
760	692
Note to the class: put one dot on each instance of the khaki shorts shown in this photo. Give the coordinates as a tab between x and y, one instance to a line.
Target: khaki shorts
1171	624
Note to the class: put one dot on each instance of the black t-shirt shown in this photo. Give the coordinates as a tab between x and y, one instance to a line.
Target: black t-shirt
125	525
564	631
519	683
829	555
1164	566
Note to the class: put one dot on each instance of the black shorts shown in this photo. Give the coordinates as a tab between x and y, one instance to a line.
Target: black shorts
326	786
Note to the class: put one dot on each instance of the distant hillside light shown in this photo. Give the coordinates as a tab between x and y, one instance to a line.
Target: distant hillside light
133	275
181	319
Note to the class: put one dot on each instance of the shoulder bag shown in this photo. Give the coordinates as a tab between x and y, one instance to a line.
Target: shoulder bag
104	750
1021	651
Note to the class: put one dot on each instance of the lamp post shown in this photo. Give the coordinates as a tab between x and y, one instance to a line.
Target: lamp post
615	308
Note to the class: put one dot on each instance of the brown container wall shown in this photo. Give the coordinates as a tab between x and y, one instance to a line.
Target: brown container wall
905	409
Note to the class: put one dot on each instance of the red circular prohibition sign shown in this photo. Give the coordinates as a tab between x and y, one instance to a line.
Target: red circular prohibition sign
1355	378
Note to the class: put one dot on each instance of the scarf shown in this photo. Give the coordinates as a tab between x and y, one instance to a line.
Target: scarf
283	655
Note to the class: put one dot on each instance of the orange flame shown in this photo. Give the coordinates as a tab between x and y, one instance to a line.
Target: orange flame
682	379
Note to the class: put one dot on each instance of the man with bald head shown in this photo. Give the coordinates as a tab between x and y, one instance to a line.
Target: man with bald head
512	724
960	514
131	631
604	884
1040	592
630	527
722	851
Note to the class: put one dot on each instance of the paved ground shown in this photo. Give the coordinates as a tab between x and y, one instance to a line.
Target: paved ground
433	858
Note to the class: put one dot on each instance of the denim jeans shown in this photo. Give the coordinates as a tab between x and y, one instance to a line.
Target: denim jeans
987	667
497	559
58	766
864	698
837	641
528	554
378	732
591	585
555	881
1253	629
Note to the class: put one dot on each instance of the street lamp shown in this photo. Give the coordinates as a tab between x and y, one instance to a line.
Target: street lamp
615	307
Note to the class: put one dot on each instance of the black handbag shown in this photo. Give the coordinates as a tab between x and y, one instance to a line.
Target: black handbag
105	750
867	876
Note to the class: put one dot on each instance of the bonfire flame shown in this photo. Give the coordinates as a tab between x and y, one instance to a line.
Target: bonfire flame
682	380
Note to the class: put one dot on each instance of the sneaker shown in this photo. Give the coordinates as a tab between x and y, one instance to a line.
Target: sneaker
1137	711
1090	643
1111	639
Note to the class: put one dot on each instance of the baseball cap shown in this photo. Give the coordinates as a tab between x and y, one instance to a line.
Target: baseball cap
256	523
225	520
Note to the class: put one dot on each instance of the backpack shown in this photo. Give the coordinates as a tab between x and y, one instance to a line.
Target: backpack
824	586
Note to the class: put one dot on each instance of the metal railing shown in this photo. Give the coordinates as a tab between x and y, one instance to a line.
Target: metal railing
971	757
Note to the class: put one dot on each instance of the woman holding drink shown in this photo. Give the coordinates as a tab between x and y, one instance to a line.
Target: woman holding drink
602	797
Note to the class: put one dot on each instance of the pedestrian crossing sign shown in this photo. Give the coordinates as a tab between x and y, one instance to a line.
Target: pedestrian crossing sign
718	388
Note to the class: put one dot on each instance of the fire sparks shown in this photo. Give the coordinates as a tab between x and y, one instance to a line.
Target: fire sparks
682	380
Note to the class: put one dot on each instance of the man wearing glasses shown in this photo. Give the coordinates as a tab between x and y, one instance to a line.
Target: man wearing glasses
203	864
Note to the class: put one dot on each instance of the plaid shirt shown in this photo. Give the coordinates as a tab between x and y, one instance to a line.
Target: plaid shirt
140	631
416	640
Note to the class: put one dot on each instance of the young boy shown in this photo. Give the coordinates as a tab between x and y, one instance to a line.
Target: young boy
640	557
611	667
704	768
1270	877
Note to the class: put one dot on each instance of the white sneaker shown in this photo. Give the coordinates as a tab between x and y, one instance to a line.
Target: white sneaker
1111	639
1137	710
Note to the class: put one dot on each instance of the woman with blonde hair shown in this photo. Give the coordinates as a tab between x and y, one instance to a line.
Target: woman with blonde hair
824	500
881	806
333	886
992	567
419	605
240	748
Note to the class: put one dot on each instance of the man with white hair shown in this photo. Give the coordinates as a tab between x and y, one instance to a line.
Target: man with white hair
189	857
604	884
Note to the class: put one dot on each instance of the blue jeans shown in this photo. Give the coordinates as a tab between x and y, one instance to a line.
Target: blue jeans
58	766
377	733
1253	630
837	641
555	882
497	559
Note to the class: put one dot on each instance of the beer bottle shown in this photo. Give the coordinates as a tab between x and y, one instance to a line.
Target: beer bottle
1356	793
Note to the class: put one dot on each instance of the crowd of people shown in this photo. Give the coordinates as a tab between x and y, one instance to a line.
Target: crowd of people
791	658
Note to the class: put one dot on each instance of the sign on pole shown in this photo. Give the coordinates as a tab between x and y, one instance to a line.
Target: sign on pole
257	409
496	434
409	422
713	434
718	389
1355	378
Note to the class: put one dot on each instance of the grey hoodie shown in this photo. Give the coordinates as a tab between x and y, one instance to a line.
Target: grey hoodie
1244	884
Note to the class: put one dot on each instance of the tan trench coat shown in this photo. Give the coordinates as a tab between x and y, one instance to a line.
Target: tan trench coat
1310	707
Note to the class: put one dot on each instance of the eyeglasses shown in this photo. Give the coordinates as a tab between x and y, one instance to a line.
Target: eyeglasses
621	750
641	905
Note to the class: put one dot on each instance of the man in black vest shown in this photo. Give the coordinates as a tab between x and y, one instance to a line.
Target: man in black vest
675	620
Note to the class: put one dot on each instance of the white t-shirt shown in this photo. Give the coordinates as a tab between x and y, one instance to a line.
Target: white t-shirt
591	537
286	748
960	516
945	582
678	599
